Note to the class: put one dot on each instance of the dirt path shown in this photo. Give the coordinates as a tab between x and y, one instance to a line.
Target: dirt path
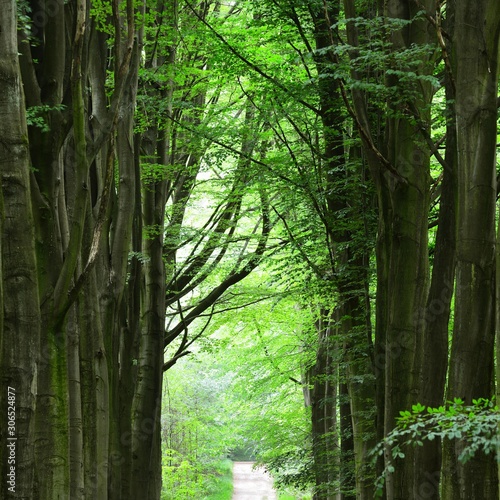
250	484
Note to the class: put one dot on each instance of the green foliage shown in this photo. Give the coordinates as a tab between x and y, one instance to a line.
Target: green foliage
196	432
181	478
273	345
150	232
475	426
188	480
141	257
292	469
221	486
23	18
250	401
36	116
155	172
292	495
391	74
101	12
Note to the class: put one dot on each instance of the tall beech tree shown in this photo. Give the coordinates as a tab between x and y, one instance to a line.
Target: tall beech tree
406	334
413	305
20	312
474	55
347	330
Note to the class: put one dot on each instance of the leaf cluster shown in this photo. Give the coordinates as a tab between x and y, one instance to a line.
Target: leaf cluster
474	426
37	116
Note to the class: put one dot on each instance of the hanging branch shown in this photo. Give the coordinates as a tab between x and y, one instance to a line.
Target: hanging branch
441	35
236	152
428	139
311	264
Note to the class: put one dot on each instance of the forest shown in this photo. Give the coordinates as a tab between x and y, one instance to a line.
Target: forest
249	229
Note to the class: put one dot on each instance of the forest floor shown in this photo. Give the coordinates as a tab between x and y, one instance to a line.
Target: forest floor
251	484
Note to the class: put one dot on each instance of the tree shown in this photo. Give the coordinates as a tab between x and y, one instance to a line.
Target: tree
471	362
20	314
249	397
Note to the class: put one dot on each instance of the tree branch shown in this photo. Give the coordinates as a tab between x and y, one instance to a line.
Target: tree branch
251	65
234	277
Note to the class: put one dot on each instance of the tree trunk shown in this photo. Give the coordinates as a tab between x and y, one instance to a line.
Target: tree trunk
324	378
475	64
95	394
76	457
146	406
400	170
432	356
360	380
20	308
347	467
406	287
350	272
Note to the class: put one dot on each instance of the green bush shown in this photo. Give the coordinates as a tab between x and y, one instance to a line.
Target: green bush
221	484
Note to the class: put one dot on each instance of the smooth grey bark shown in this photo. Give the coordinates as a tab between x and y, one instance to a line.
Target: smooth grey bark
497	318
147	398
475	65
347	463
373	142
76	449
432	354
69	183
94	394
324	380
20	325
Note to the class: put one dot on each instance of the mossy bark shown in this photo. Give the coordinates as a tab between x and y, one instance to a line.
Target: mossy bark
324	380
352	332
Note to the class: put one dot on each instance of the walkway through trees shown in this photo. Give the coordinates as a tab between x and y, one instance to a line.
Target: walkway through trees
251	484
